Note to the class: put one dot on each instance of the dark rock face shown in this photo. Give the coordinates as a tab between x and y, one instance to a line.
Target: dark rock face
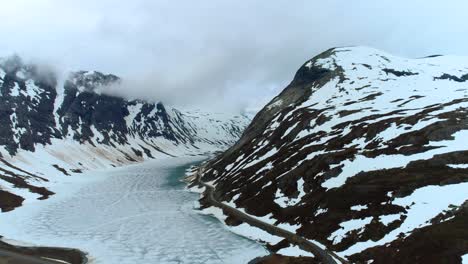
32	112
350	152
446	76
82	109
26	106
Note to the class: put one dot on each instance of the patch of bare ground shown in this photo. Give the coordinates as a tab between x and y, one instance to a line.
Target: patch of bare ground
280	259
43	255
9	201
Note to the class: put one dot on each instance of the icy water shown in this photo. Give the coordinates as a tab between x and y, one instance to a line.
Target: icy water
136	214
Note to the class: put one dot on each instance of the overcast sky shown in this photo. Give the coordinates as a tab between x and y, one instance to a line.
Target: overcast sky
220	53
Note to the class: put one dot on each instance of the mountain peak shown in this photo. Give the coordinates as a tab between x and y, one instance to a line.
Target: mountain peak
12	63
351	149
91	81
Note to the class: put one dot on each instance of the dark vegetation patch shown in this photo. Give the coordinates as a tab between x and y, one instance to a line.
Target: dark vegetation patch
128	157
147	152
399	73
9	201
280	259
363	87
397	100
348	112
433	56
21	170
446	76
412	98
64	171
137	152
385	58
19	181
371	97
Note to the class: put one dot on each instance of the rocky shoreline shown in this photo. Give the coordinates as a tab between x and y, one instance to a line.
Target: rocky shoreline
37	255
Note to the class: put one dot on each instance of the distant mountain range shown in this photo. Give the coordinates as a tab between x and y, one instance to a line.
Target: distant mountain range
51	130
364	153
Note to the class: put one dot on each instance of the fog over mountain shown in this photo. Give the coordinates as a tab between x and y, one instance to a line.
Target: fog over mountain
230	53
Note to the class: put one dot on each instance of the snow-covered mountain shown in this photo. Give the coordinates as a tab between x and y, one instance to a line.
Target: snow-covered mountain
365	153
50	130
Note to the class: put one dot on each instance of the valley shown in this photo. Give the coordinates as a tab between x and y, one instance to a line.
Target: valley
359	158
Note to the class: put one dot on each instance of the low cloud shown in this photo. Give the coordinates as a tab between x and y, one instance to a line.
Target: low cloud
225	54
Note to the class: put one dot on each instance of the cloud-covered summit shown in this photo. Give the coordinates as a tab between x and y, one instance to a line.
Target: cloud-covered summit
219	53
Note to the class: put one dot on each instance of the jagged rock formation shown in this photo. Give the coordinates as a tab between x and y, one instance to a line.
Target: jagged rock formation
365	153
49	128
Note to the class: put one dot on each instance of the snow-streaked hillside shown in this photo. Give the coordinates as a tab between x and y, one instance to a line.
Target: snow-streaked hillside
365	153
51	130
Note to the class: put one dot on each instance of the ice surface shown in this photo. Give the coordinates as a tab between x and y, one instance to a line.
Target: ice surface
134	214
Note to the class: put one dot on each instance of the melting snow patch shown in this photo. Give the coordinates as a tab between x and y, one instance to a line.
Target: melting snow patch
15	90
289	130
358	207
387	219
284	201
465	259
321	211
458	166
353	224
255	233
294	251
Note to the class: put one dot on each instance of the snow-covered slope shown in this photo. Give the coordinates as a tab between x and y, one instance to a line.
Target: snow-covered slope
365	153
50	130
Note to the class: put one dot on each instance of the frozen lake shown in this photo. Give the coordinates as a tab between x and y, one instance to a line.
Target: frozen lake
135	214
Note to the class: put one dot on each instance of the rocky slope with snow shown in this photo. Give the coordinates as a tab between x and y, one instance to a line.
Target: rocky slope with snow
364	153
50	130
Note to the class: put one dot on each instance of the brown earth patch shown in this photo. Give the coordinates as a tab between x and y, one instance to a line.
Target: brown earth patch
68	255
9	201
279	259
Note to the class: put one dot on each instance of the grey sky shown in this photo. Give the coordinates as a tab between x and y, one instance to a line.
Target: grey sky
220	53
